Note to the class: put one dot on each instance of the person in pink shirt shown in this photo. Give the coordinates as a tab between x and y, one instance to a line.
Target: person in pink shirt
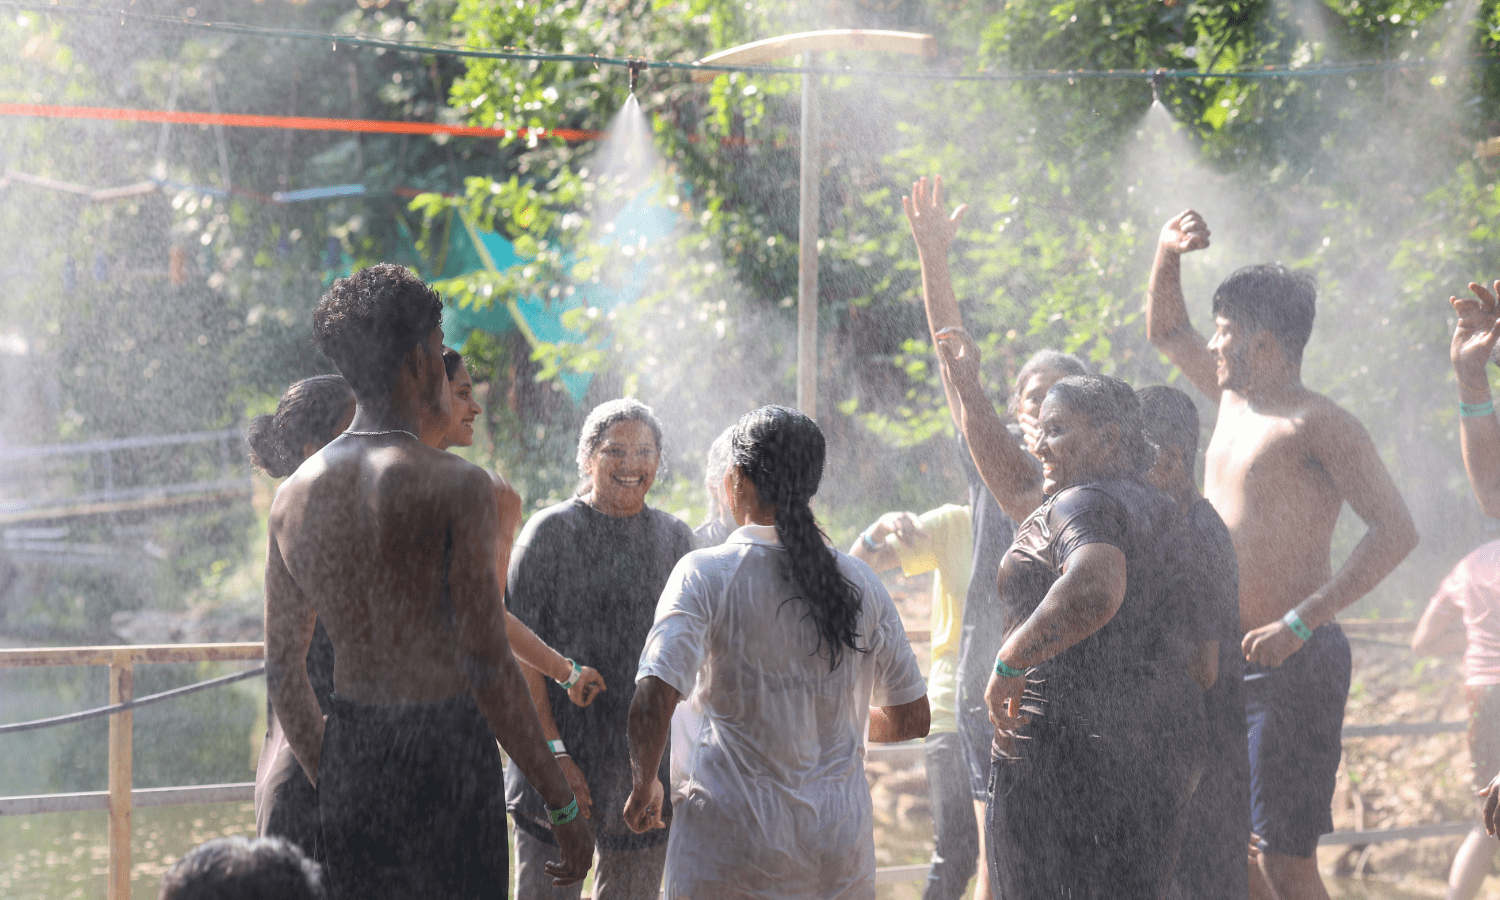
1464	617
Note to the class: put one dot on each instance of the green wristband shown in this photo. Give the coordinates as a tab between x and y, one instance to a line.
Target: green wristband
870	543
1005	671
577	674
1476	410
565	815
1294	622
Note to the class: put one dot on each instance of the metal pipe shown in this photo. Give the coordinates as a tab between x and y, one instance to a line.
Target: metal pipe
807	248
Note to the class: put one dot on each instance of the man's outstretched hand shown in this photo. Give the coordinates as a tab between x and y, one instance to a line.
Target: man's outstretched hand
930	223
1474	337
1185	233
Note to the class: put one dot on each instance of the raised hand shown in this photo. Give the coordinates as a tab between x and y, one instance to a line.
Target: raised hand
1185	233
1474	337
930	223
960	357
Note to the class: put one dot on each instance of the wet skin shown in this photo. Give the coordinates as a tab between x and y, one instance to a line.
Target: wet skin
357	537
1281	463
529	649
623	469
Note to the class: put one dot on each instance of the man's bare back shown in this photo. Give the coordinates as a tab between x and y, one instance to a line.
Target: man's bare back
393	544
364	529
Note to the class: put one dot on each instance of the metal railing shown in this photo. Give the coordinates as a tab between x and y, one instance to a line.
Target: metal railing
120	799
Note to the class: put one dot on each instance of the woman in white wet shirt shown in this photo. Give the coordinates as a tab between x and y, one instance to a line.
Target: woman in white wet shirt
781	642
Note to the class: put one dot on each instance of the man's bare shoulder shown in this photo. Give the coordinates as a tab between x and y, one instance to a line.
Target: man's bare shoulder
1324	420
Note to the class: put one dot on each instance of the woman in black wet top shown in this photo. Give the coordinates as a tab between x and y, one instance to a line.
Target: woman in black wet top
1099	731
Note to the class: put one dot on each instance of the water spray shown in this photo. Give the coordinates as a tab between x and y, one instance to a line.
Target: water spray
636	67
1158	81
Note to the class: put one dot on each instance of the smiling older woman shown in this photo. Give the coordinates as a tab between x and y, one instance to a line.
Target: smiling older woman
585	575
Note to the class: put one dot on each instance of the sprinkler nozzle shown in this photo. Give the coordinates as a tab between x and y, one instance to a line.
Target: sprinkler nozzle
636	67
1158	81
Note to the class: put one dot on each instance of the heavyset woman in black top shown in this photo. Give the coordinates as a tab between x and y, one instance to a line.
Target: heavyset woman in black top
1099	729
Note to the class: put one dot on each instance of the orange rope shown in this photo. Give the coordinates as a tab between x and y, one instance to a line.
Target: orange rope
294	123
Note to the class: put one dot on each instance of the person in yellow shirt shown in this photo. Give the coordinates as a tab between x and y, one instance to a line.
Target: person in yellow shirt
939	541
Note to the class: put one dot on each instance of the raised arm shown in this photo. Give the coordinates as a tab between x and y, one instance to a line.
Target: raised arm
1082	601
1479	431
1167	324
290	621
648	728
495	677
934	229
1008	471
1344	449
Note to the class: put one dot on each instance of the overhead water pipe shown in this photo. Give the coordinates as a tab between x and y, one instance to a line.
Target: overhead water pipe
808	44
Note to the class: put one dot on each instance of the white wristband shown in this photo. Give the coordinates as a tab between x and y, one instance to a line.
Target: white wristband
573	679
557	748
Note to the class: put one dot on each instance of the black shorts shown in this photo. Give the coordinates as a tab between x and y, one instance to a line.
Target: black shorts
1295	718
412	802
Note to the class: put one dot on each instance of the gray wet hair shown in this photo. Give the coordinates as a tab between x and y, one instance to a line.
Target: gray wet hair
718	463
612	412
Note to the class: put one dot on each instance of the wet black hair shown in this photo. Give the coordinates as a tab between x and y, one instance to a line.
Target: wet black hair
612	412
309	412
1104	400
1271	297
238	868
1065	364
1169	419
452	359
367	323
781	451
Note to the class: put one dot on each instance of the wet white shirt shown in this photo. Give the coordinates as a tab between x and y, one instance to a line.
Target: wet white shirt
774	801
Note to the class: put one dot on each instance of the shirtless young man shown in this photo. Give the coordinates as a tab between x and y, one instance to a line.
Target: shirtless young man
1282	462
392	544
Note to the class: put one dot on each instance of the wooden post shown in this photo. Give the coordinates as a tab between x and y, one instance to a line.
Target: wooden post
807	247
121	730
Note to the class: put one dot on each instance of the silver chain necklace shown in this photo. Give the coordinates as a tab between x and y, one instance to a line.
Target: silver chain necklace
379	433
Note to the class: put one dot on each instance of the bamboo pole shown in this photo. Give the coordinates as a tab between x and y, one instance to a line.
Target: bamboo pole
121	730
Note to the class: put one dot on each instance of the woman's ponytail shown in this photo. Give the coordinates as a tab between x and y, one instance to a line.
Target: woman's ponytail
781	451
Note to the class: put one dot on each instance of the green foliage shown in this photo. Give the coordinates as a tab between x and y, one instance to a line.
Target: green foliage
1366	177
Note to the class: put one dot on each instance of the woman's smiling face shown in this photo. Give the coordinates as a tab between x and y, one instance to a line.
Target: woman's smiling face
623	468
1072	448
465	410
